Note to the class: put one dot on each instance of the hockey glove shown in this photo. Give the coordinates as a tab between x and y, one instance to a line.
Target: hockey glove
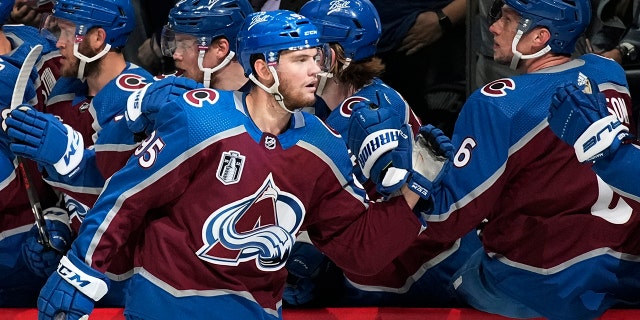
41	260
420	163
43	138
581	119
373	133
71	290
144	104
304	266
388	154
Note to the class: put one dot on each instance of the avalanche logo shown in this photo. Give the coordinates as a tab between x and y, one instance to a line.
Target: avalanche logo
259	227
498	88
197	97
130	82
77	211
346	108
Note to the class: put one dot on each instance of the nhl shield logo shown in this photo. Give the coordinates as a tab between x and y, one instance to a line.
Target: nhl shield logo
230	167
270	142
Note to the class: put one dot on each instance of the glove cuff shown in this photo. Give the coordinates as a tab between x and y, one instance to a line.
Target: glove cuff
134	103
90	282
374	146
599	137
72	156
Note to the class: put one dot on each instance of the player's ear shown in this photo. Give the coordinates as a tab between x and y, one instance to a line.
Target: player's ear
262	72
541	37
98	37
220	47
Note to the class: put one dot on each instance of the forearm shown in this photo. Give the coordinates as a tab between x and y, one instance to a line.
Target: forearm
456	11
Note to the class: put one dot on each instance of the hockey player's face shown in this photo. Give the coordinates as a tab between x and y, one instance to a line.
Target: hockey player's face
297	71
65	33
504	30
185	57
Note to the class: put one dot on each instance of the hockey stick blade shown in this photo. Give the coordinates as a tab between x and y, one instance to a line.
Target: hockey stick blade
23	76
16	99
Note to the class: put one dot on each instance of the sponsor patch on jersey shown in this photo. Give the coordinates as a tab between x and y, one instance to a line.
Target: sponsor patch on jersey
230	167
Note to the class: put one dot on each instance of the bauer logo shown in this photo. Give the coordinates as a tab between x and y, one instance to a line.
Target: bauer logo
378	143
230	167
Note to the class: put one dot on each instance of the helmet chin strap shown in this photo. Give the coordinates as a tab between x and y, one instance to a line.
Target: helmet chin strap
84	59
209	71
517	55
324	76
273	89
323	81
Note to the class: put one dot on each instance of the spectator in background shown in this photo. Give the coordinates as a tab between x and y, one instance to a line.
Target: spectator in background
151	17
426	38
29	12
616	35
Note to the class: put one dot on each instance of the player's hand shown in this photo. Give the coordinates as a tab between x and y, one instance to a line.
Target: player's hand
390	157
40	259
44	138
582	120
144	104
71	290
373	133
421	162
304	266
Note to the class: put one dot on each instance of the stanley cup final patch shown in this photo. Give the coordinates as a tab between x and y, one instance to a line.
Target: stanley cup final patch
230	167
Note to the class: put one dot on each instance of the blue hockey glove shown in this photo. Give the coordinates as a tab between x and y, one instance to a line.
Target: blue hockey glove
43	138
72	290
304	266
43	261
421	163
581	119
143	104
388	154
373	132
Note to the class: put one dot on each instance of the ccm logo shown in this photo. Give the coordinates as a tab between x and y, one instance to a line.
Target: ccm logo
72	276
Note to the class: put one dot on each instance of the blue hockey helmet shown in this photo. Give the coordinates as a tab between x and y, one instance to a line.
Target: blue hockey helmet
270	32
209	21
116	17
565	19
5	9
354	24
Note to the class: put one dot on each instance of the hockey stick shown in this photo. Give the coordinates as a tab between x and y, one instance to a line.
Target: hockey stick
16	99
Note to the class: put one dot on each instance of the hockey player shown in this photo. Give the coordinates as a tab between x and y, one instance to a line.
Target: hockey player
25	262
558	243
90	99
584	120
201	38
222	256
353	29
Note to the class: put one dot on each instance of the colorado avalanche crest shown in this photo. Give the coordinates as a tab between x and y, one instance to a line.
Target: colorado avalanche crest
260	227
